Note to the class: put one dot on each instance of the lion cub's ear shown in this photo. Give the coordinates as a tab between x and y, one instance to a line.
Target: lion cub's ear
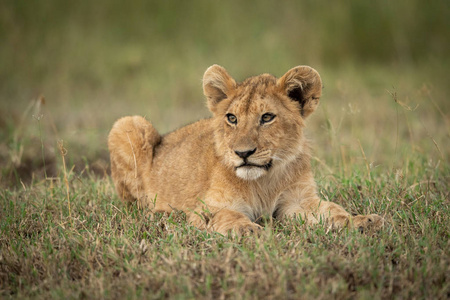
217	86
302	84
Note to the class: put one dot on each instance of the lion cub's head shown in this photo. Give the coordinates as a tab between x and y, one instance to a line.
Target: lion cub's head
259	121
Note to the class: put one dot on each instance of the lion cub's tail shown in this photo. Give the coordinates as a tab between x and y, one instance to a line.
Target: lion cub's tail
131	145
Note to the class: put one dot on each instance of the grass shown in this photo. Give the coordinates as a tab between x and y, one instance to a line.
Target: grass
106	250
380	140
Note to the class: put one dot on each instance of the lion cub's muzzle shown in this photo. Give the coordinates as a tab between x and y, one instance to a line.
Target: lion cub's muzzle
253	164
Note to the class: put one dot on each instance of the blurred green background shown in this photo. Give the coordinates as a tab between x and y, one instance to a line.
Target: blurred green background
95	61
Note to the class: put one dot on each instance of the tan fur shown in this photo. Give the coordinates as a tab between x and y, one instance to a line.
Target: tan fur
198	168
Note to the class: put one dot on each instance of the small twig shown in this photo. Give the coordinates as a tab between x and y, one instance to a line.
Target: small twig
323	164
23	185
419	183
365	160
63	152
444	115
404	105
117	209
38	116
433	140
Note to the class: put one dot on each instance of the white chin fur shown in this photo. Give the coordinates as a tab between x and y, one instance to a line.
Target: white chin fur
250	173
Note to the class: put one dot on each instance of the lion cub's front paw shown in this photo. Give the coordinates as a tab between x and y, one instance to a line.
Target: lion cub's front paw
245	229
224	222
239	228
364	222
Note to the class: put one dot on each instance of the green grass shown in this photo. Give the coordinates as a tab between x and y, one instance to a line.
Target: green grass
106	250
380	137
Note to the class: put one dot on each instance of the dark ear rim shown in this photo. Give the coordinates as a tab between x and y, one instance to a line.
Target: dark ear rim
302	84
217	85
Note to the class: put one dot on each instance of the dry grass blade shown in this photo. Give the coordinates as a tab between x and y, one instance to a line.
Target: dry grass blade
63	153
365	160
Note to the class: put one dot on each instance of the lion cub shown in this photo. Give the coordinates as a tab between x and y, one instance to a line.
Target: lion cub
250	159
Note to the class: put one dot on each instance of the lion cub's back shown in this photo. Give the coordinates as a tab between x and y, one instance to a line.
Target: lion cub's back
183	162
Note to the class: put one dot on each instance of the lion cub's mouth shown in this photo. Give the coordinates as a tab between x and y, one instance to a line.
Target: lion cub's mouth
249	164
251	171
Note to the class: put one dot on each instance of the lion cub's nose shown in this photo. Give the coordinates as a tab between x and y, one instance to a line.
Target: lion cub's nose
245	154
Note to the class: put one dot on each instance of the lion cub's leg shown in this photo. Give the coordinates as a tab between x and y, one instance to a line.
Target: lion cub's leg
314	210
131	144
222	221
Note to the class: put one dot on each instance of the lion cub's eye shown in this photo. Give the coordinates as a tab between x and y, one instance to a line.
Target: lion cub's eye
232	118
266	118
